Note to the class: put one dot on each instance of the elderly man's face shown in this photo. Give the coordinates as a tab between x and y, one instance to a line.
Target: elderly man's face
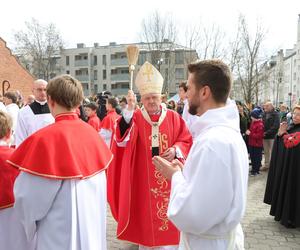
39	91
151	102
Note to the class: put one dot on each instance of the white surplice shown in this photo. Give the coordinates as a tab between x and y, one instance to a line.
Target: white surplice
12	234
28	123
63	214
208	198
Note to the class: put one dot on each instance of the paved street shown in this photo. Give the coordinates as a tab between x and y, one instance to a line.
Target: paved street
261	231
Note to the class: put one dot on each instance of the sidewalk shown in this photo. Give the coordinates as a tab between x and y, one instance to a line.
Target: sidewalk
261	231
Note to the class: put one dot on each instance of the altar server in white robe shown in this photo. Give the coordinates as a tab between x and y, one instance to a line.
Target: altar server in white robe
34	116
208	193
60	194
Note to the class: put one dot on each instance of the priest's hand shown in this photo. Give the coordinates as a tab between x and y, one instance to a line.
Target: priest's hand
131	100
165	167
169	154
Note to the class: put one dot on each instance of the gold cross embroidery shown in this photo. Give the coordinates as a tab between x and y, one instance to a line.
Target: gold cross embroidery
148	71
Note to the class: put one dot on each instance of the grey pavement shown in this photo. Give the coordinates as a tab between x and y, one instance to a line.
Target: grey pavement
261	231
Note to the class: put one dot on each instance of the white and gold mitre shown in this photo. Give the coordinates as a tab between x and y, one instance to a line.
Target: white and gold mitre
148	80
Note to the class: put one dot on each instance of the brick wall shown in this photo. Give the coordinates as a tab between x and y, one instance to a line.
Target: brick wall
12	71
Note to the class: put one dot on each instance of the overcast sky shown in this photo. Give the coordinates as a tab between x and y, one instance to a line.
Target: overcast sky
90	21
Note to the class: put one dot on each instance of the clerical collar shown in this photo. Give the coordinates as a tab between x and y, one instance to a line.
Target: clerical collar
42	103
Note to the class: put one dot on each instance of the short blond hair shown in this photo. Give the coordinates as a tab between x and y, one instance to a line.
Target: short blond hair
5	124
297	106
65	91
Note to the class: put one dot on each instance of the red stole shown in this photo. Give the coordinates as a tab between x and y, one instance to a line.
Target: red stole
7	178
67	149
138	194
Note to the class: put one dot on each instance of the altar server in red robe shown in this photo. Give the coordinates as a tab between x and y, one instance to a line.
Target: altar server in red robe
12	234
60	194
138	194
109	121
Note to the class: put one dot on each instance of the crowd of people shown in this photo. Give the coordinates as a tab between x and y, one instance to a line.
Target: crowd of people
175	175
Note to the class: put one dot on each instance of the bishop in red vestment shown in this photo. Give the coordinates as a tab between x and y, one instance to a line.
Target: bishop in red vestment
138	194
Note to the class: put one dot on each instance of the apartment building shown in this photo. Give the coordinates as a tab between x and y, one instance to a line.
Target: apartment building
282	84
102	68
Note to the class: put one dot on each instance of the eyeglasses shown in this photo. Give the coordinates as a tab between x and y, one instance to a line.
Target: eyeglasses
296	114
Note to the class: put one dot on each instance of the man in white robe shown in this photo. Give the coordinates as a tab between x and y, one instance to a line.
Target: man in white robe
208	194
34	116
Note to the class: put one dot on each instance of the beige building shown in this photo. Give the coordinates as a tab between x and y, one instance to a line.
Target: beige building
282	84
102	68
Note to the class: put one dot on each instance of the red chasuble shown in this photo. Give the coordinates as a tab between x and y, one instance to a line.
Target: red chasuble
138	194
67	149
7	178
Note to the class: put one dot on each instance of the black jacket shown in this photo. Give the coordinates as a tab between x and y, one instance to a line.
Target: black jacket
271	123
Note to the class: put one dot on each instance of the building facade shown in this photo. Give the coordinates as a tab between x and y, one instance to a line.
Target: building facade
13	74
101	68
282	84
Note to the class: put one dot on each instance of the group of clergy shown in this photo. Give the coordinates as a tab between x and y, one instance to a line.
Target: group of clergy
165	189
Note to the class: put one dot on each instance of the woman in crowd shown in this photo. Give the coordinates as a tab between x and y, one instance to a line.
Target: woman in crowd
283	185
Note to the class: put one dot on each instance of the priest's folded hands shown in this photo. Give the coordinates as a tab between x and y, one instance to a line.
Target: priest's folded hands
165	167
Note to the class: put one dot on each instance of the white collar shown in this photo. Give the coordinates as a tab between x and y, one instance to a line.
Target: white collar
42	103
227	116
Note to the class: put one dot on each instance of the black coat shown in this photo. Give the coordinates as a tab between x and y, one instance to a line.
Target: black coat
283	184
271	124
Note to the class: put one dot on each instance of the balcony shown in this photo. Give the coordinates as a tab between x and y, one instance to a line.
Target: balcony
80	63
119	62
120	77
82	78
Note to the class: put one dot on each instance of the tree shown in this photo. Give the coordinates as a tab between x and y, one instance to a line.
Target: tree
39	46
249	62
160	34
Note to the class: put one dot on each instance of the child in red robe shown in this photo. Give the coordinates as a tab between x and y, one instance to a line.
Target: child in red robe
12	234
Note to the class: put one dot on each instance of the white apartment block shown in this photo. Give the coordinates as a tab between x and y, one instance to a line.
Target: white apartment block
283	81
102	68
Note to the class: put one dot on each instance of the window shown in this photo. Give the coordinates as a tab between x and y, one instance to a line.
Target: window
77	58
125	85
179	57
85	57
68	72
166	75
67	60
95	60
114	72
142	58
104	74
103	59
95	74
104	86
124	71
179	73
95	88
294	76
